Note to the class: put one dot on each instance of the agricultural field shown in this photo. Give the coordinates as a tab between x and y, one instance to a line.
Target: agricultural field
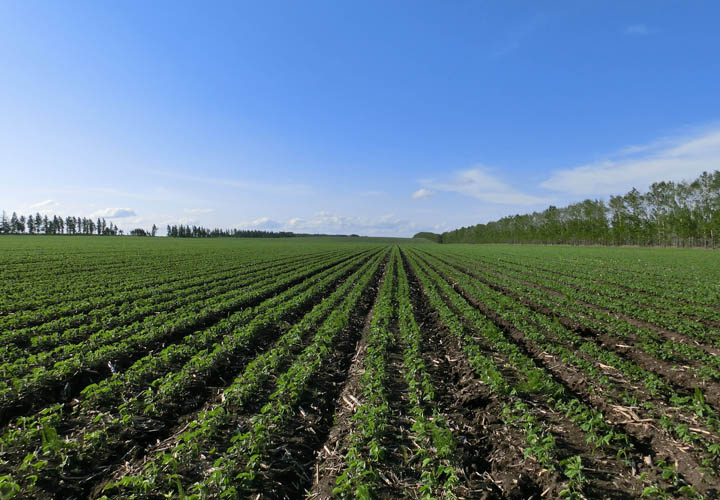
150	368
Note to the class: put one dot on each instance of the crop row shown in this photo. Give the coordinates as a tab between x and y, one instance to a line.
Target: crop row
530	377
665	350
682	418
90	305
121	346
201	357
358	370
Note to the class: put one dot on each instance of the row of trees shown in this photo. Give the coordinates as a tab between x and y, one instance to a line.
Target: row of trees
37	224
183	231
669	213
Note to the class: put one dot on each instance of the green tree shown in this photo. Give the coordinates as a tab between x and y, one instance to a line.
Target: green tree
5	224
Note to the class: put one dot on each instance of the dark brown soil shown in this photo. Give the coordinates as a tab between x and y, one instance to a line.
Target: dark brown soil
330	458
293	465
70	387
678	376
492	456
620	286
307	452
661	331
129	447
648	441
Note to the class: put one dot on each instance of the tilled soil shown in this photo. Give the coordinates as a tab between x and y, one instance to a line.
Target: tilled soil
493	454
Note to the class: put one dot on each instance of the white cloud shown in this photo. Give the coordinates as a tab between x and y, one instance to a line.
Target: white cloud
640	166
46	207
44	204
295	221
421	193
329	223
187	220
114	213
637	30
481	184
260	223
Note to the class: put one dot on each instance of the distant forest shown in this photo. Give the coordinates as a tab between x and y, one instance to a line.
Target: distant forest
669	213
53	224
43	224
182	231
188	231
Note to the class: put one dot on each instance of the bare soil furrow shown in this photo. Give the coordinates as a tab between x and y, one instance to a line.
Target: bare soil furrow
650	444
462	399
499	459
131	442
399	473
649	293
295	459
330	457
663	332
69	388
677	375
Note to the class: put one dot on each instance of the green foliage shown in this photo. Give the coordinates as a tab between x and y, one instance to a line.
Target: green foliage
437	238
225	339
670	213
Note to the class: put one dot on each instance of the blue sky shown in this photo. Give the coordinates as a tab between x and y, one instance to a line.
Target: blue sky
380	118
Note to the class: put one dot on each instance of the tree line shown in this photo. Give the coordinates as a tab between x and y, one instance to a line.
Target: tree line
670	213
44	224
37	224
187	231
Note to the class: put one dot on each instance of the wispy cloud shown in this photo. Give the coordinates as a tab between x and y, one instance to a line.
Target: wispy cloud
637	30
389	224
44	204
114	213
422	193
45	207
480	183
371	194
639	166
261	223
325	222
243	185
